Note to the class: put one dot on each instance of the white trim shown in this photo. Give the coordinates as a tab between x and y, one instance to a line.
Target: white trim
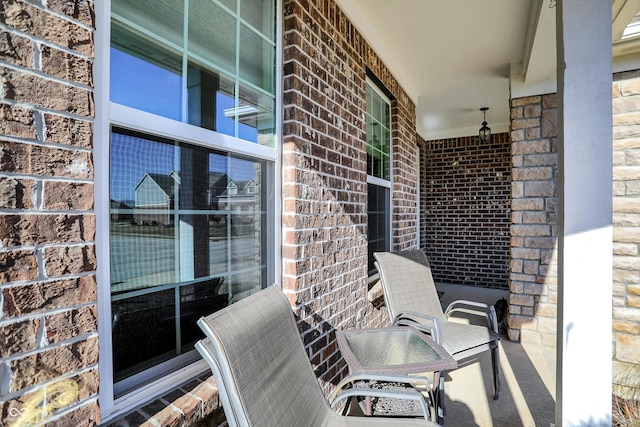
142	121
378	181
418	176
146	393
379	91
101	196
110	113
388	184
275	257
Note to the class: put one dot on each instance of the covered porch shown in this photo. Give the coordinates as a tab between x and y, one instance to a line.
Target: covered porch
510	62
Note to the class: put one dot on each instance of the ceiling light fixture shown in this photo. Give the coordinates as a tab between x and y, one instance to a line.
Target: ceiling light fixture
485	131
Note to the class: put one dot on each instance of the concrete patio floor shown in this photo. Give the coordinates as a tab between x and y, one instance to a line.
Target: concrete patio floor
527	376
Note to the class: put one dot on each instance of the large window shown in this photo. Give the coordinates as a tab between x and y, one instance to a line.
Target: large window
191	164
378	171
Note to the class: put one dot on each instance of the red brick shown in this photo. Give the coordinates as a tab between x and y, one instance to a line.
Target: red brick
66	325
52	363
31	89
16	121
21	300
81	10
68	131
63	195
34	229
61	260
40	23
16	49
66	66
18	265
18	337
16	193
45	161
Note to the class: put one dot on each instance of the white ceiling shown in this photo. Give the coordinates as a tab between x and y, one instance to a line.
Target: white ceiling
454	56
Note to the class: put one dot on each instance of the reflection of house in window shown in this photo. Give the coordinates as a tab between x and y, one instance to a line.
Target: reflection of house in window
239	199
155	196
154	199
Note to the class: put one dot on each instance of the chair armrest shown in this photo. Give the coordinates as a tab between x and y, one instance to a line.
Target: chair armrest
421	322
476	309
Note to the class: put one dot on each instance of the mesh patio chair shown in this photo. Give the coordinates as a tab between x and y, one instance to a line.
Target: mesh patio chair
264	376
411	298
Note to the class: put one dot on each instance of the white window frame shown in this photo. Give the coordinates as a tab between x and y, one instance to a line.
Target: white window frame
110	114
383	182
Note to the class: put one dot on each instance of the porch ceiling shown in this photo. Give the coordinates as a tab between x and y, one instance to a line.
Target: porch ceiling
453	57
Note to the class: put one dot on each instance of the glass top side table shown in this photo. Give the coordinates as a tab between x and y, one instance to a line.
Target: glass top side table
392	350
396	350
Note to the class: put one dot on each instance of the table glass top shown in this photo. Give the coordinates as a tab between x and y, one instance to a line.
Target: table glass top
390	347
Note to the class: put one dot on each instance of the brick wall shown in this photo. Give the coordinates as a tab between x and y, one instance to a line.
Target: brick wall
48	327
533	281
626	225
324	189
465	205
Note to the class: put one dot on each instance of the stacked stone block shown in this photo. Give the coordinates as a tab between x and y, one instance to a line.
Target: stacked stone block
324	213
626	226
465	205
48	314
533	279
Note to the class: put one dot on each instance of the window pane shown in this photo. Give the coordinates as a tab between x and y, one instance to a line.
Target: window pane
229	67
378	221
260	14
255	115
378	135
210	94
257	62
143	330
163	18
145	75
188	235
219	46
197	300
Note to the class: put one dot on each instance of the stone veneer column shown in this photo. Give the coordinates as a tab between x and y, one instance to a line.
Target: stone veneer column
626	228
533	280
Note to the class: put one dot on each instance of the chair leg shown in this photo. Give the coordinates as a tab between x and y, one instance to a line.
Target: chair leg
439	407
495	362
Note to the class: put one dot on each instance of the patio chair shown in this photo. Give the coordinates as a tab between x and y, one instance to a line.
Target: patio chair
411	298
264	376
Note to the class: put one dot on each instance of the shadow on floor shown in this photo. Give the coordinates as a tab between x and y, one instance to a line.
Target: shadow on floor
527	377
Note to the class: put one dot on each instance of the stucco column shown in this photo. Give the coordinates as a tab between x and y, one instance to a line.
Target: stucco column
585	199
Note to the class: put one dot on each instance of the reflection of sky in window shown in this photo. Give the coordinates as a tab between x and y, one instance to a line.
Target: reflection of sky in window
145	86
133	157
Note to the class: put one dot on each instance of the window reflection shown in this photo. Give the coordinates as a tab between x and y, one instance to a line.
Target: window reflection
187	238
222	80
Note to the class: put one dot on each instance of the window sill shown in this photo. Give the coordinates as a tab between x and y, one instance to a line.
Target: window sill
194	403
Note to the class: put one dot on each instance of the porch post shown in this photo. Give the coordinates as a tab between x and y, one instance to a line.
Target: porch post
584	217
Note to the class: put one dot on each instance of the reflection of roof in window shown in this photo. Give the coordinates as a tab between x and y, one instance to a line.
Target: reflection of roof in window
217	181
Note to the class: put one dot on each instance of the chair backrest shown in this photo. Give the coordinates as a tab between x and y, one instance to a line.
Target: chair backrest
407	283
262	363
